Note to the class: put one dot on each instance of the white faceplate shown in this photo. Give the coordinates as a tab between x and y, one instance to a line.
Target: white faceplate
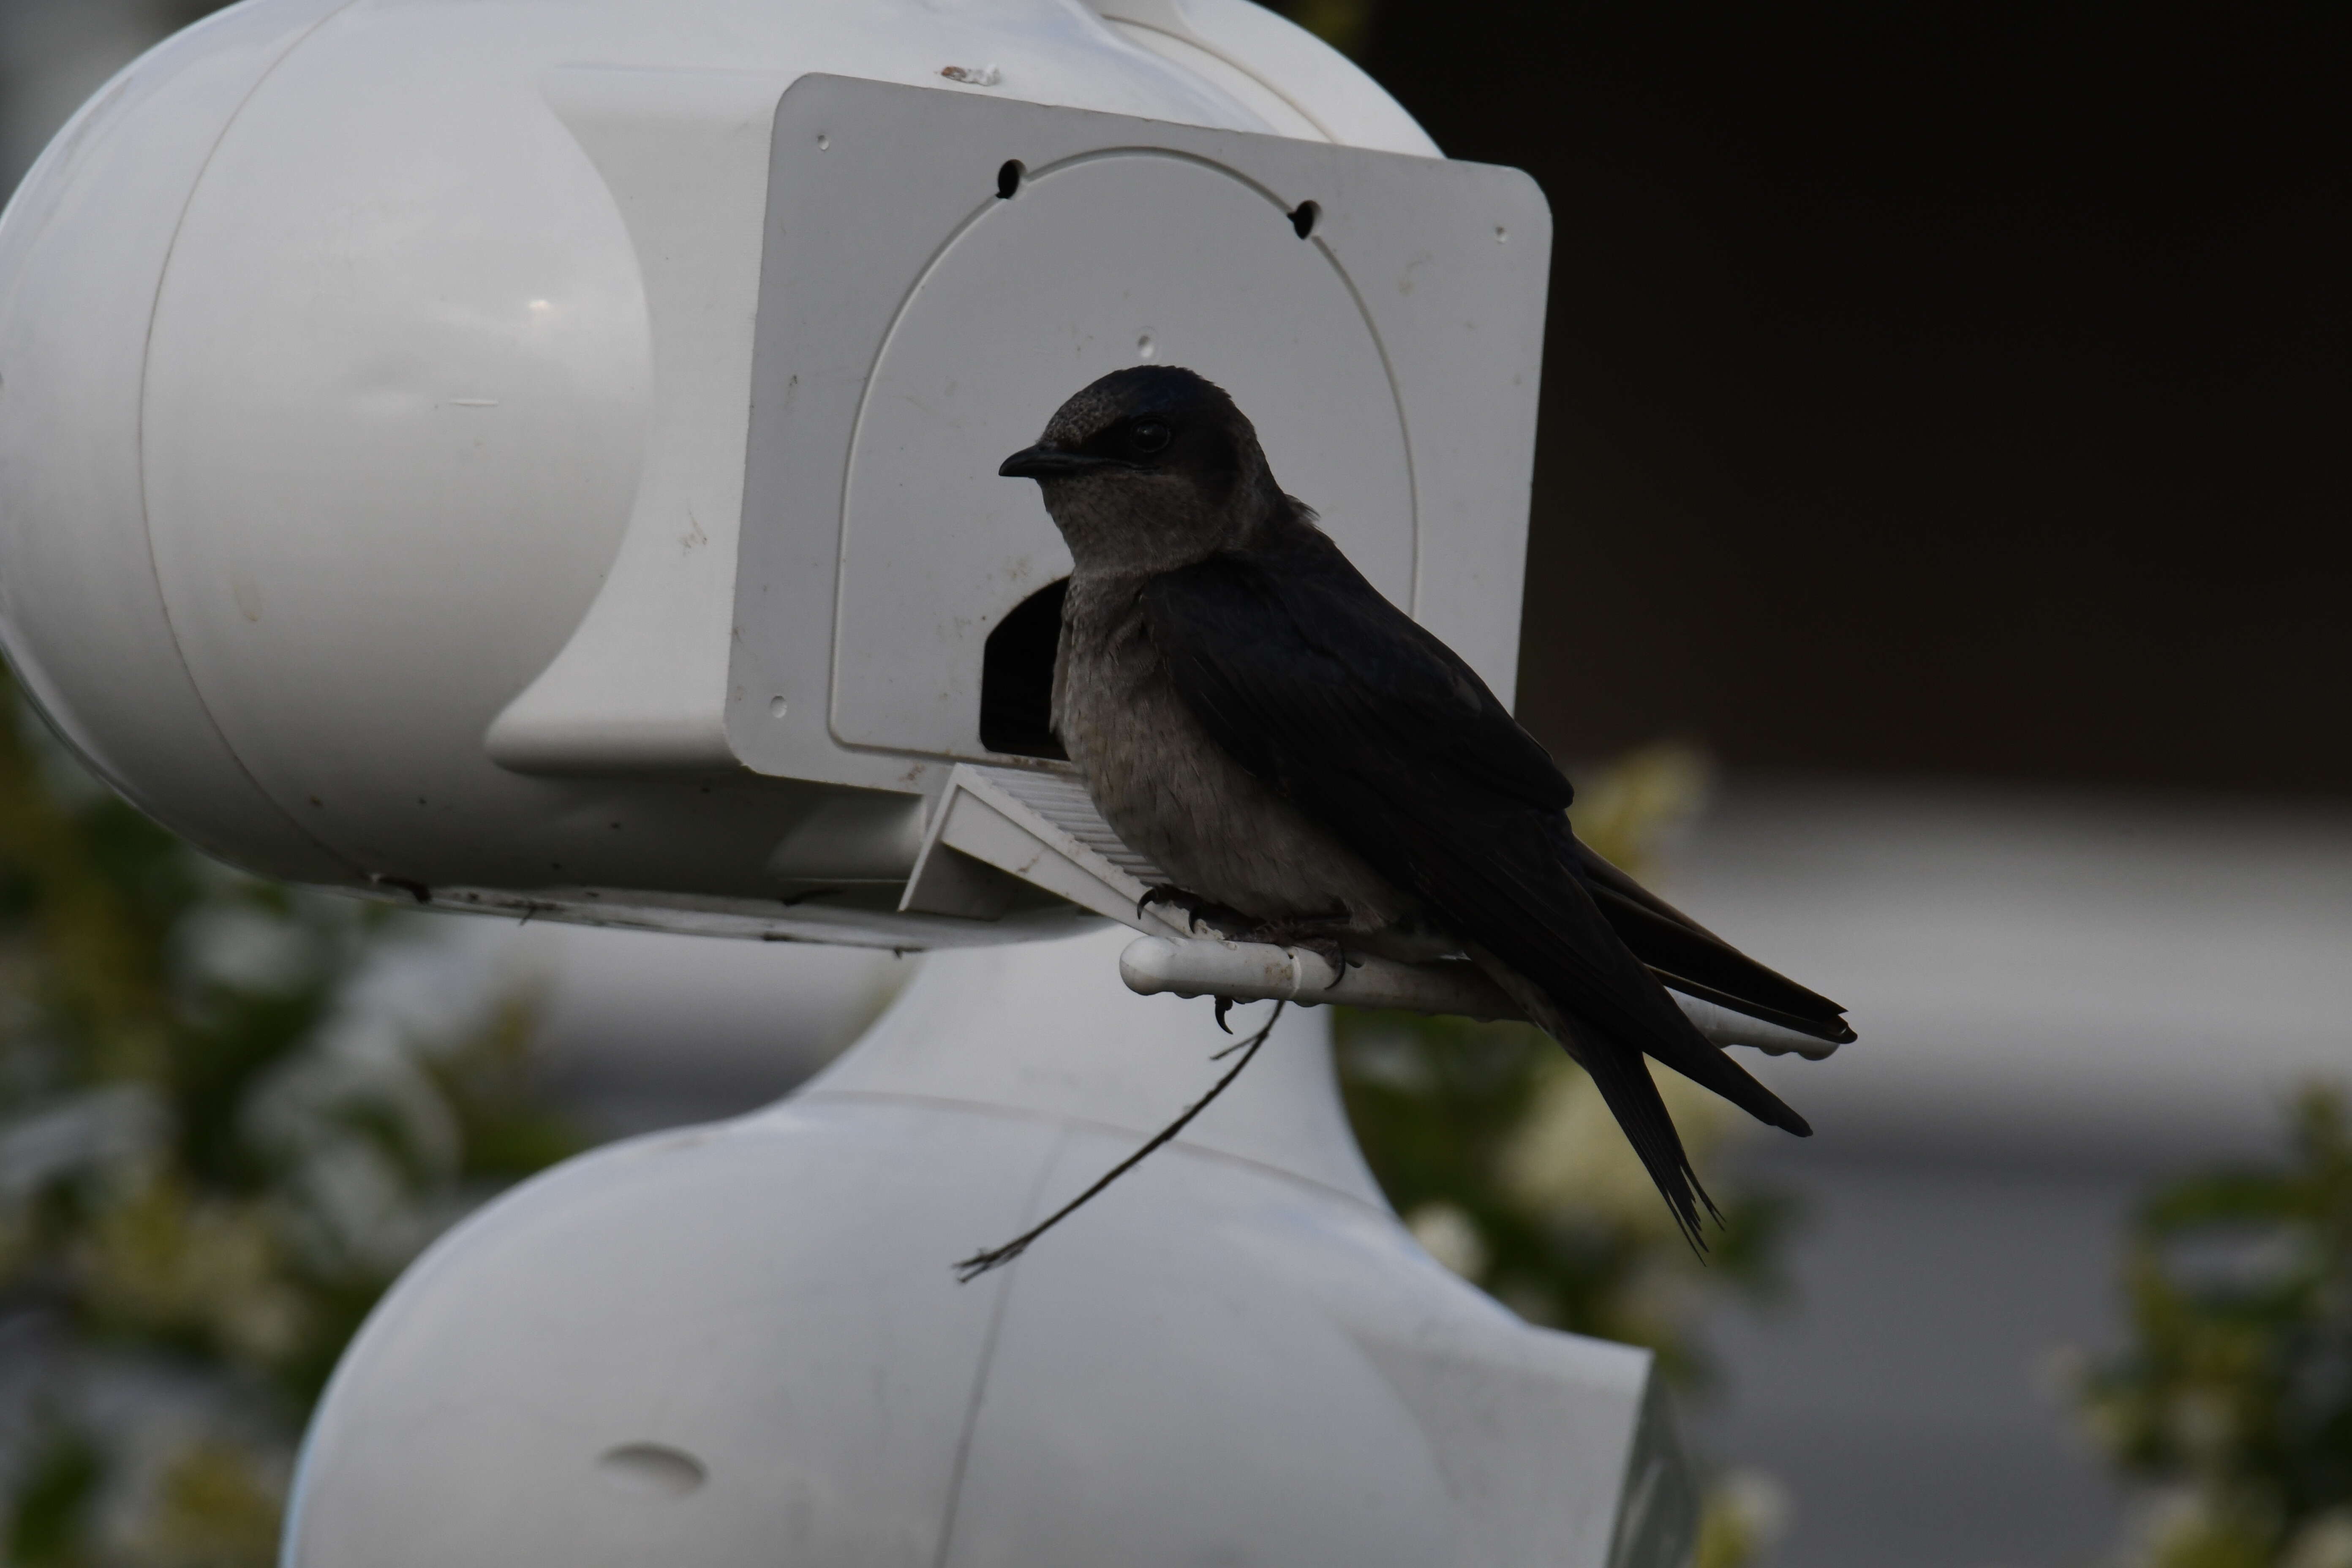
1389	360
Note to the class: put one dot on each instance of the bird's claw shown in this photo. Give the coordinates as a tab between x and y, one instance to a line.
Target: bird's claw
1169	893
1335	954
1198	910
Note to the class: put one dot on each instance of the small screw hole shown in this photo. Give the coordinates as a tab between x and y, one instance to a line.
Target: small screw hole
822	142
1008	179
652	1471
1302	220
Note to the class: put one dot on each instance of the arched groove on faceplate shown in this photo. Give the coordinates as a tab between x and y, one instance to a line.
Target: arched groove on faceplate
1404	423
1029	176
1312	233
872	705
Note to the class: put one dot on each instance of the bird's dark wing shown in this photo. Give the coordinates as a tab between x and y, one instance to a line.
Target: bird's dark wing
1692	960
1376	731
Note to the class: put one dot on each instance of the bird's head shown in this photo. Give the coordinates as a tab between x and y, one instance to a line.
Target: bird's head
1150	468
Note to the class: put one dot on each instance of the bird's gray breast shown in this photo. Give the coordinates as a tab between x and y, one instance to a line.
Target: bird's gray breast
1172	792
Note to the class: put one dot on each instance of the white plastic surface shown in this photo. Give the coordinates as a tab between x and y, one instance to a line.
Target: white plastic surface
380	387
998	828
685	155
83	248
743	1343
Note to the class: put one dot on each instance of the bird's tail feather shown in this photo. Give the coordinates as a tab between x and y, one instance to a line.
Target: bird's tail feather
1617	992
1623	1001
1681	1048
1626	1088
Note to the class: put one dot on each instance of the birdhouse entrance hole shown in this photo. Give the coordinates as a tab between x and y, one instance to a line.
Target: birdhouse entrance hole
1016	678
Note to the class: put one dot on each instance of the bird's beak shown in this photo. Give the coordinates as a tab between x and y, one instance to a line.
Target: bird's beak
1048	463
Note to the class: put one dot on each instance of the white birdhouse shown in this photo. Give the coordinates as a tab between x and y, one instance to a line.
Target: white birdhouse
545	459
528	458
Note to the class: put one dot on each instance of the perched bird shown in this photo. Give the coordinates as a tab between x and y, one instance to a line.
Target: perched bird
1313	768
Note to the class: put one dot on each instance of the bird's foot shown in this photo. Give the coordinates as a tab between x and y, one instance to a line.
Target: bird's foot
1320	938
1198	910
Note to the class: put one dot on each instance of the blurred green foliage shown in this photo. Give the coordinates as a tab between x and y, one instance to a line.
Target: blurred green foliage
211	1165
1345	25
1501	1156
2232	1402
1505	1162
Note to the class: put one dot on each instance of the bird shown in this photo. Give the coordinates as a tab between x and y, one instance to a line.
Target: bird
1310	766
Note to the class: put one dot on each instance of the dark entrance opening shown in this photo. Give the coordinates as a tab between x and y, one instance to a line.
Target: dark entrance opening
1016	678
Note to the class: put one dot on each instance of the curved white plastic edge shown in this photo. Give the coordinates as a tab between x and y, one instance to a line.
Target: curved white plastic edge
1300	84
643	682
1260	972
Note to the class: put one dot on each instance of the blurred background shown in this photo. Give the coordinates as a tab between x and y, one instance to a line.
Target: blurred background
1939	545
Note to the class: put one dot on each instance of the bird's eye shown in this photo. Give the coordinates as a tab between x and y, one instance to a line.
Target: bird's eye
1150	435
